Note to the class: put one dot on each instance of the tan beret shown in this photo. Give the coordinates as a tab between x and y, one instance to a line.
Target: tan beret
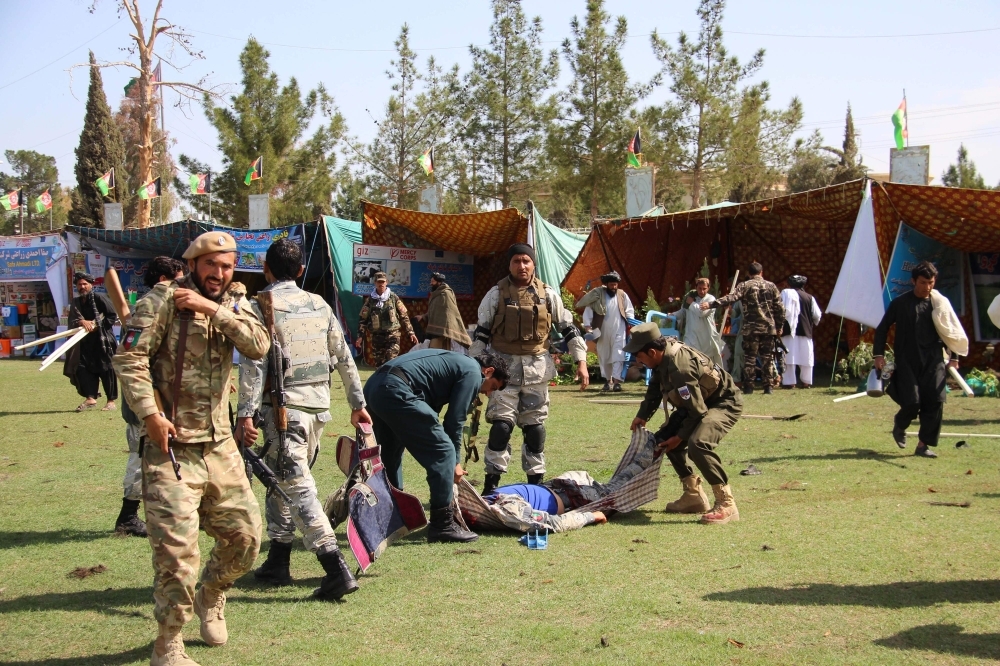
212	241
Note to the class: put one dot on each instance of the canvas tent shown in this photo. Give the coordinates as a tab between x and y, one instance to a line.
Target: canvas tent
806	233
555	248
341	235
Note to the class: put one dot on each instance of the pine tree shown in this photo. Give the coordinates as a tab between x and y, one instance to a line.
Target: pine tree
964	173
812	166
507	107
760	145
850	166
588	145
101	148
129	118
270	121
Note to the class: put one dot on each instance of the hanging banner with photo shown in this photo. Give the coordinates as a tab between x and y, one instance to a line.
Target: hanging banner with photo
911	248
130	271
985	271
26	258
251	245
409	270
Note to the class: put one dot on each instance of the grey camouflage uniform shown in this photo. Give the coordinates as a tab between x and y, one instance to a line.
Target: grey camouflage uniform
316	345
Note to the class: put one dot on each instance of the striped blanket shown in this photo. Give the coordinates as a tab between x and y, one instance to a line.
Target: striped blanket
633	493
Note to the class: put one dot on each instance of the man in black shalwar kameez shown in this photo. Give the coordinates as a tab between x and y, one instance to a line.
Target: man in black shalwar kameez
918	381
88	365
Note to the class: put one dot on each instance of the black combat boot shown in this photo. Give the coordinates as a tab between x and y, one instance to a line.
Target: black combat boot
535	479
128	522
767	388
443	528
490	483
275	568
338	581
747	388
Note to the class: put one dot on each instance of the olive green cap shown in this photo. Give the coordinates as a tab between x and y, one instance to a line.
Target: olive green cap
642	335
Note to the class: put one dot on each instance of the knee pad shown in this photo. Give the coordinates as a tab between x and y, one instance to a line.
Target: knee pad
534	437
500	435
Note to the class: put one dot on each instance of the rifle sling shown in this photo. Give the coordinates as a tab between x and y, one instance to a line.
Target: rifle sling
179	364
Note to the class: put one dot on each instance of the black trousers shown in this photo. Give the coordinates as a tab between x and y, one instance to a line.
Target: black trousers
88	384
929	412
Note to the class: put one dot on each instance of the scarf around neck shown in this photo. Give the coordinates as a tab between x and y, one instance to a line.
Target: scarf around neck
381	299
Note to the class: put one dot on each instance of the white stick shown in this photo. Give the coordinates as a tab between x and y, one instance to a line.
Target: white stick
851	397
957	434
961	382
50	338
80	335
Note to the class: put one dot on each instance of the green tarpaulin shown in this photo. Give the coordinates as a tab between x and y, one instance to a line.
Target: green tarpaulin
341	236
556	248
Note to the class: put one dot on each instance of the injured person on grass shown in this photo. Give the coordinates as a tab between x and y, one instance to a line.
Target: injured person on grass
556	503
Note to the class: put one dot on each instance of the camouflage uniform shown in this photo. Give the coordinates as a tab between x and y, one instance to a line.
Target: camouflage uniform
707	403
214	490
762	309
132	483
525	400
312	338
383	323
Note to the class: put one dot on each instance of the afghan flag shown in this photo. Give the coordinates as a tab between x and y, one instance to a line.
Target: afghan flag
256	171
106	182
427	161
634	150
150	190
899	123
43	202
201	183
157	74
11	200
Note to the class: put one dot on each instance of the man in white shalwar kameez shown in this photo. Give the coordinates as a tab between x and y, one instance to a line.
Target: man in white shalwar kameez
608	331
802	314
699	330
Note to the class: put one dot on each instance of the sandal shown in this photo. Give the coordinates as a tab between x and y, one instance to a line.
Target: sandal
108	407
84	406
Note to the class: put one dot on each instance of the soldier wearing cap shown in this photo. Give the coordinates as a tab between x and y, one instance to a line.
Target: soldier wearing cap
382	317
178	351
706	404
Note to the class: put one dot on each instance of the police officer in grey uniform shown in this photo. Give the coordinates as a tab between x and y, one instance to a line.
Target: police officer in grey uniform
515	320
313	341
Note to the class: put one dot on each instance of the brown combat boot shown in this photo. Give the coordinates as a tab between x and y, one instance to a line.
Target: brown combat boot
168	650
725	507
209	606
692	500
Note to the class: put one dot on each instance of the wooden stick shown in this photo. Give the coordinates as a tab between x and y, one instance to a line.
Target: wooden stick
961	382
50	338
117	296
851	397
959	434
69	344
726	315
616	402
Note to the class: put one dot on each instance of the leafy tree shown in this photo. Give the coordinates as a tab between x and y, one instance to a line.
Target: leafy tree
417	117
760	146
129	118
33	173
506	104
101	148
812	167
588	143
270	121
964	173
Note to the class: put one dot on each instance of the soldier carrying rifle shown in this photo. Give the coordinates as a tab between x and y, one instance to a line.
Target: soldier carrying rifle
307	343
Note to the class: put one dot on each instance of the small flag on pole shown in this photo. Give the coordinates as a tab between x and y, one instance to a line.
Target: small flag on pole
43	202
201	183
11	200
899	125
131	84
150	190
635	150
106	182
256	171
427	161
157	75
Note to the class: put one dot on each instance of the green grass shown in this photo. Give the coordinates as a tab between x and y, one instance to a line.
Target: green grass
860	568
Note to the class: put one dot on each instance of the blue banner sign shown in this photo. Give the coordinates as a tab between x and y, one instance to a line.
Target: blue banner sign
911	248
409	270
26	258
252	245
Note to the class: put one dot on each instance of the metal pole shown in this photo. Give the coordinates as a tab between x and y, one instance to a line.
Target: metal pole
209	195
51	206
906	118
20	210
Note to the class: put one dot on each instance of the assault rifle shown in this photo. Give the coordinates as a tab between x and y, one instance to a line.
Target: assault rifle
259	468
277	364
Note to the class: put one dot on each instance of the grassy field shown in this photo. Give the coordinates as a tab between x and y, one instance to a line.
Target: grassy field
840	557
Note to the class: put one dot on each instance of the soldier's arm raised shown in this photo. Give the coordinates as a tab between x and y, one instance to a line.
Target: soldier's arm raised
243	326
487	310
142	339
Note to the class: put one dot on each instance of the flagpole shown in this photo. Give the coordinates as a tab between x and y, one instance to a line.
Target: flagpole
906	118
209	195
51	205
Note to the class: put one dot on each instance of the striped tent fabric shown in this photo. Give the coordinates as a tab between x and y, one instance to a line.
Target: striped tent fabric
639	490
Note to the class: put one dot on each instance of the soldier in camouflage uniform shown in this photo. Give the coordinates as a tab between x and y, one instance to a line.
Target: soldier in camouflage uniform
215	317
382	316
515	320
311	339
707	405
762	313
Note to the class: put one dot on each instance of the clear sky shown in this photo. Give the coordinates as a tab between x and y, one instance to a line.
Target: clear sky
950	80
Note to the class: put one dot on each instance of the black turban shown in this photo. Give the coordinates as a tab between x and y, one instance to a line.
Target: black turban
611	277
521	248
797	281
80	275
440	277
